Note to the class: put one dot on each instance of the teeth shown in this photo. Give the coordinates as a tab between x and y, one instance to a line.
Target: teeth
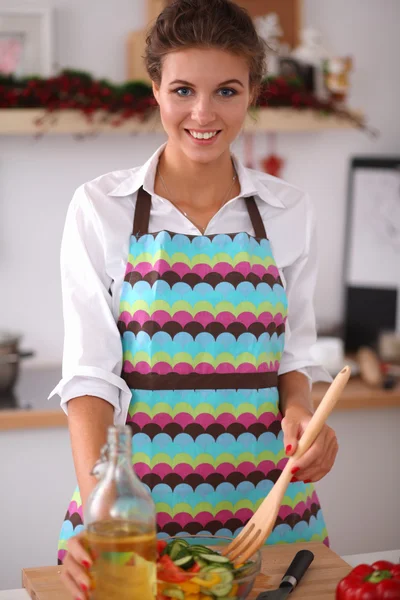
203	136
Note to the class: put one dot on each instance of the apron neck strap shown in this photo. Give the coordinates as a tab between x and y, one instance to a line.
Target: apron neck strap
142	213
143	206
255	217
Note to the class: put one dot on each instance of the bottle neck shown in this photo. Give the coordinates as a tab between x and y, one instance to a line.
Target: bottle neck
119	442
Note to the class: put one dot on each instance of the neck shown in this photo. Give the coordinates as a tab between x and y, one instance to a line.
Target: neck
194	184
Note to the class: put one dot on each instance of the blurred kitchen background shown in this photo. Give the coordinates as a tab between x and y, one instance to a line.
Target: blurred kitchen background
357	292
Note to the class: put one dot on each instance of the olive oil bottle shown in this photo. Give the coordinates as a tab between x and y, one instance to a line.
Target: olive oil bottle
120	526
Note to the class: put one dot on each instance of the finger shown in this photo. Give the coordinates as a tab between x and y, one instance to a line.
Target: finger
308	461
78	573
291	431
72	586
77	551
321	467
316	451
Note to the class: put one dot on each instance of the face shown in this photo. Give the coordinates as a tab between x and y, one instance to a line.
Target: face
203	97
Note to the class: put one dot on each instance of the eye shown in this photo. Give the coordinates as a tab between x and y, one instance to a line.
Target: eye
183	92
227	92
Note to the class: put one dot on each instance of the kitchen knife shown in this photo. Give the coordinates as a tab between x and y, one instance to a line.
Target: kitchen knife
292	577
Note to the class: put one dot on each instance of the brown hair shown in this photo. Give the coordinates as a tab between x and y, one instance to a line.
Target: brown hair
220	24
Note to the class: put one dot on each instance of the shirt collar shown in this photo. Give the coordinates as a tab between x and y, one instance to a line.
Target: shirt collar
251	182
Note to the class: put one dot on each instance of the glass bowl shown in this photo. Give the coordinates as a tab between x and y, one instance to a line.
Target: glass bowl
234	585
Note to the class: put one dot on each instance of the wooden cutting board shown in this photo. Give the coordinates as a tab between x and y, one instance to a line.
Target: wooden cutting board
319	582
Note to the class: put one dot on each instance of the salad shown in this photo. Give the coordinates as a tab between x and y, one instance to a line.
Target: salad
194	572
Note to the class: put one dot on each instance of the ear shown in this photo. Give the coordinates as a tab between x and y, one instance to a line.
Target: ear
156	91
252	96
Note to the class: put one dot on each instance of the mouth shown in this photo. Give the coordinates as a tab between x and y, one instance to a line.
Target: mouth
203	137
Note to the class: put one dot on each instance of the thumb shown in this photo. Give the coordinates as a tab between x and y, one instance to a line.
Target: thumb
290	430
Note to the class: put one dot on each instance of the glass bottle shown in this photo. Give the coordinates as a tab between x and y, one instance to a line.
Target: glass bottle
120	526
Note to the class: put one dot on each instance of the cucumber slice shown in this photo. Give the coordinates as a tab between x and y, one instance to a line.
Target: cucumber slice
241	571
200	562
175	548
185	561
197	549
216	558
174	593
225	585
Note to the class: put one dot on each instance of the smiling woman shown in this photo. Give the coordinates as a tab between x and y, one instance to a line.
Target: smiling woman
188	286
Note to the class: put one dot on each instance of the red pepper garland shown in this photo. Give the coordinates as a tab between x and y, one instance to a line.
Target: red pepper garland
79	91
381	581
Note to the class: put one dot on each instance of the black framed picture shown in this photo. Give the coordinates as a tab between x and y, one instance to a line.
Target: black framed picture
372	256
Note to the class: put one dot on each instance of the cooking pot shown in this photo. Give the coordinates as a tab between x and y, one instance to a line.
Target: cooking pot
10	356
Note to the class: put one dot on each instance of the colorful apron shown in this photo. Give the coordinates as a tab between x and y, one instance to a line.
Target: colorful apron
202	322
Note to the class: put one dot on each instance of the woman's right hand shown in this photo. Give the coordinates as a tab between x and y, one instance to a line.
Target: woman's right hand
76	565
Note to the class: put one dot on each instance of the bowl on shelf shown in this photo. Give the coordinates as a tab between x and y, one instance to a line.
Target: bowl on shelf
187	572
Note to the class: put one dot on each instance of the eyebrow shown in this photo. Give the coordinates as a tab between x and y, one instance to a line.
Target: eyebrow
228	82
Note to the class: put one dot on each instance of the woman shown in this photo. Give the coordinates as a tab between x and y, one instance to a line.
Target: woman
211	297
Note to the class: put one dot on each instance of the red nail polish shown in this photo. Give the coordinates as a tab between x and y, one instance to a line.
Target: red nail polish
288	448
307	481
86	564
84	587
295	469
294	480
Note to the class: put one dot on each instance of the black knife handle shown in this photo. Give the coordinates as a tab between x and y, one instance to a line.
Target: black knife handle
298	567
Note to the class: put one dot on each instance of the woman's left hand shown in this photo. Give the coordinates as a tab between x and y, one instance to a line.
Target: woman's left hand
320	457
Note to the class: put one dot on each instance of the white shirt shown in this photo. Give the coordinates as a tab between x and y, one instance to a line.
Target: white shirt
94	253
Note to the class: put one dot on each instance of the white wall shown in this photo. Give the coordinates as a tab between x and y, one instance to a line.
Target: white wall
36	482
37	179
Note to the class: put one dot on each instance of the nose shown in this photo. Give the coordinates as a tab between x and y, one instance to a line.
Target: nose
202	111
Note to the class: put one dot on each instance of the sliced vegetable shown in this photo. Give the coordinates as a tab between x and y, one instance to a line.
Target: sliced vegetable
176	547
197	549
161	546
168	570
195	572
185	562
206	581
225	584
215	558
174	593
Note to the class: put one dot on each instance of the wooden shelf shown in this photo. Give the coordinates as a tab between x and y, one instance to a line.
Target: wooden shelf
24	122
359	396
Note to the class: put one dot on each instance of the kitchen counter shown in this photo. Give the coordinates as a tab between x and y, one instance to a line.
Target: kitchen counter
353	560
319	582
28	407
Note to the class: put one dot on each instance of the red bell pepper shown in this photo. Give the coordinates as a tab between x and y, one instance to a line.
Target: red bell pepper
161	545
380	581
168	571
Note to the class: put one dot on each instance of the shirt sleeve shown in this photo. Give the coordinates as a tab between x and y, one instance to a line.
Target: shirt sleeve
92	355
300	333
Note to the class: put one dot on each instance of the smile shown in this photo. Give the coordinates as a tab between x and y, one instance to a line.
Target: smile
203	138
203	135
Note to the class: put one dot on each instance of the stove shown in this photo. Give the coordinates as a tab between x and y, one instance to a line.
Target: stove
32	389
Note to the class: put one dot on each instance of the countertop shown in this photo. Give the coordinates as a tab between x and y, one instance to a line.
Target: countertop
353	560
28	407
319	581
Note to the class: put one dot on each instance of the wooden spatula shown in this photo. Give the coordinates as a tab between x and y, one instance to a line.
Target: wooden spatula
254	534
